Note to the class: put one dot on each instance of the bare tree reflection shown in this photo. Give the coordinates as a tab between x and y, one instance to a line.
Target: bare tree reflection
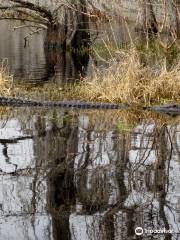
90	181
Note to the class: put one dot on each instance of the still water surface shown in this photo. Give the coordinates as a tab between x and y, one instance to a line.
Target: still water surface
85	175
30	61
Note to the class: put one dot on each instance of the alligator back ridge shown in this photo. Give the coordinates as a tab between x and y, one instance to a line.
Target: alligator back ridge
13	101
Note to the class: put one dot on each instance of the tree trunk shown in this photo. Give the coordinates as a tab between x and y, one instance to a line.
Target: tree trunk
81	40
149	21
177	17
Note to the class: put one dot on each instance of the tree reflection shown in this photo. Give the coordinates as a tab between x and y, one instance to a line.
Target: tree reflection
95	181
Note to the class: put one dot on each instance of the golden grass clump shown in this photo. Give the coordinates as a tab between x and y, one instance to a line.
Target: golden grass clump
128	81
5	78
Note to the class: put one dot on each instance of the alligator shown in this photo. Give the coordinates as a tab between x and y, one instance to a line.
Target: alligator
171	109
18	102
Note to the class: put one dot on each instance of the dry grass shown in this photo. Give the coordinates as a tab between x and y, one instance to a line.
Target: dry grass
128	81
6	79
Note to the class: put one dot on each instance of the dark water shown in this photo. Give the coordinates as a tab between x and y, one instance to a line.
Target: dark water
87	175
29	61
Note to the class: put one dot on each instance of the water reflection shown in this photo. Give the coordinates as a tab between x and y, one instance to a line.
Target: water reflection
30	60
67	175
37	57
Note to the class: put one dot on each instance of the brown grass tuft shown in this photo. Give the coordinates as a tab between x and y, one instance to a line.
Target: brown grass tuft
128	81
5	78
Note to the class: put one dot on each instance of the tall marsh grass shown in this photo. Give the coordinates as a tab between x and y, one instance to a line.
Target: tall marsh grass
127	80
5	78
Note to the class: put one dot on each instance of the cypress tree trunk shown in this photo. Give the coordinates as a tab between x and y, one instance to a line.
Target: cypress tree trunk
177	17
81	40
149	19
